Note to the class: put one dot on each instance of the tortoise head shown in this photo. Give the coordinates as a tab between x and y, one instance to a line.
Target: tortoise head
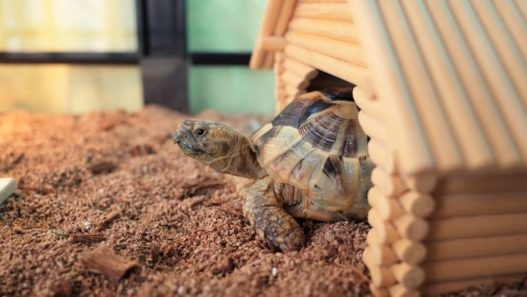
218	146
205	140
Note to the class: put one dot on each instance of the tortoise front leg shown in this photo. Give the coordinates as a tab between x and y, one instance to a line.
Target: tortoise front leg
265	213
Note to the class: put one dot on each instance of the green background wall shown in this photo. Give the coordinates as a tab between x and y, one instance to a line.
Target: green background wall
228	26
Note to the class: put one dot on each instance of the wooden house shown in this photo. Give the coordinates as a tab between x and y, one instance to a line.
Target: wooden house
442	89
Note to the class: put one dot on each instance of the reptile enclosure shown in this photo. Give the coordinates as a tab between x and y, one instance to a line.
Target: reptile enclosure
441	87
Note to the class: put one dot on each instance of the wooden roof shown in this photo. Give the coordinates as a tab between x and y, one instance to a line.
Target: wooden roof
448	78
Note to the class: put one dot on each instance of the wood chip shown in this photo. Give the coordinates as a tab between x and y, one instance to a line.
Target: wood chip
7	188
108	220
104	260
62	288
102	167
155	253
224	266
86	238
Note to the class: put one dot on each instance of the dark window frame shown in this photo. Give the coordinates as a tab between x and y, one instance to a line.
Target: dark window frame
161	38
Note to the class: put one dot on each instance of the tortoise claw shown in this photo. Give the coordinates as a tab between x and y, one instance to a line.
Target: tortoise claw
286	237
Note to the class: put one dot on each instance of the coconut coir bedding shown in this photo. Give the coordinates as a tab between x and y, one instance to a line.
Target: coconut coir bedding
116	180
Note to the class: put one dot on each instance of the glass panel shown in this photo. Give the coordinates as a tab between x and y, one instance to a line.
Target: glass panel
70	88
232	89
223	26
68	26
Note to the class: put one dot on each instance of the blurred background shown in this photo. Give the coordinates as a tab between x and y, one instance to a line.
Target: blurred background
66	56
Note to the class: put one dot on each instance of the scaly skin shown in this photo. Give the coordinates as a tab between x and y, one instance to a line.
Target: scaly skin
227	151
267	215
218	146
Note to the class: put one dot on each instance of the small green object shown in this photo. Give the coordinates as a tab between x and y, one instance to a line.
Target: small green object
60	234
7	188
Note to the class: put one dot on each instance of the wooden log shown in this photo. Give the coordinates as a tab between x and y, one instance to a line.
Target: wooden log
418	204
389	185
289	99
105	261
385	232
293	92
378	292
402	291
468	134
273	43
280	105
279	63
381	276
278	82
316	1
383	157
367	101
371	239
280	94
268	60
481	184
294	81
408	275
279	59
286	12
410	252
387	207
522	5
336	67
504	42
382	255
271	13
300	69
374	128
382	65
444	271
331	11
424	182
438	133
411	227
348	52
337	30
514	22
279	91
476	247
487	282
480	204
493	70
326	79
477	226
491	119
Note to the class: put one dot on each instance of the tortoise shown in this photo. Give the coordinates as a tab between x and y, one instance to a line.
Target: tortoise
310	162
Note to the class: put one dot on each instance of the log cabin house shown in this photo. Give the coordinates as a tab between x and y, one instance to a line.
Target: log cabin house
443	97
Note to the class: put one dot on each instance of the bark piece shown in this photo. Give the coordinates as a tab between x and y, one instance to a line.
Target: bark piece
108	220
102	167
86	238
105	261
62	288
224	266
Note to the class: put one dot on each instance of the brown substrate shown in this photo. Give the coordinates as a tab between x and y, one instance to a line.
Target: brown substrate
172	226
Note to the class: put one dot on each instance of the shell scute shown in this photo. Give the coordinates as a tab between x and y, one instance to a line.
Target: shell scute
313	144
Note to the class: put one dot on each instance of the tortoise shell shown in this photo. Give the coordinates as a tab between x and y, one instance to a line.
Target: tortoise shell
315	144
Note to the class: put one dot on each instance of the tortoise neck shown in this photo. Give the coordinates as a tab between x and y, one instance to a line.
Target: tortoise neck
241	161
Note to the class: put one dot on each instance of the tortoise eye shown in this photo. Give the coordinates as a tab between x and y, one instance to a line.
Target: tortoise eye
200	132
